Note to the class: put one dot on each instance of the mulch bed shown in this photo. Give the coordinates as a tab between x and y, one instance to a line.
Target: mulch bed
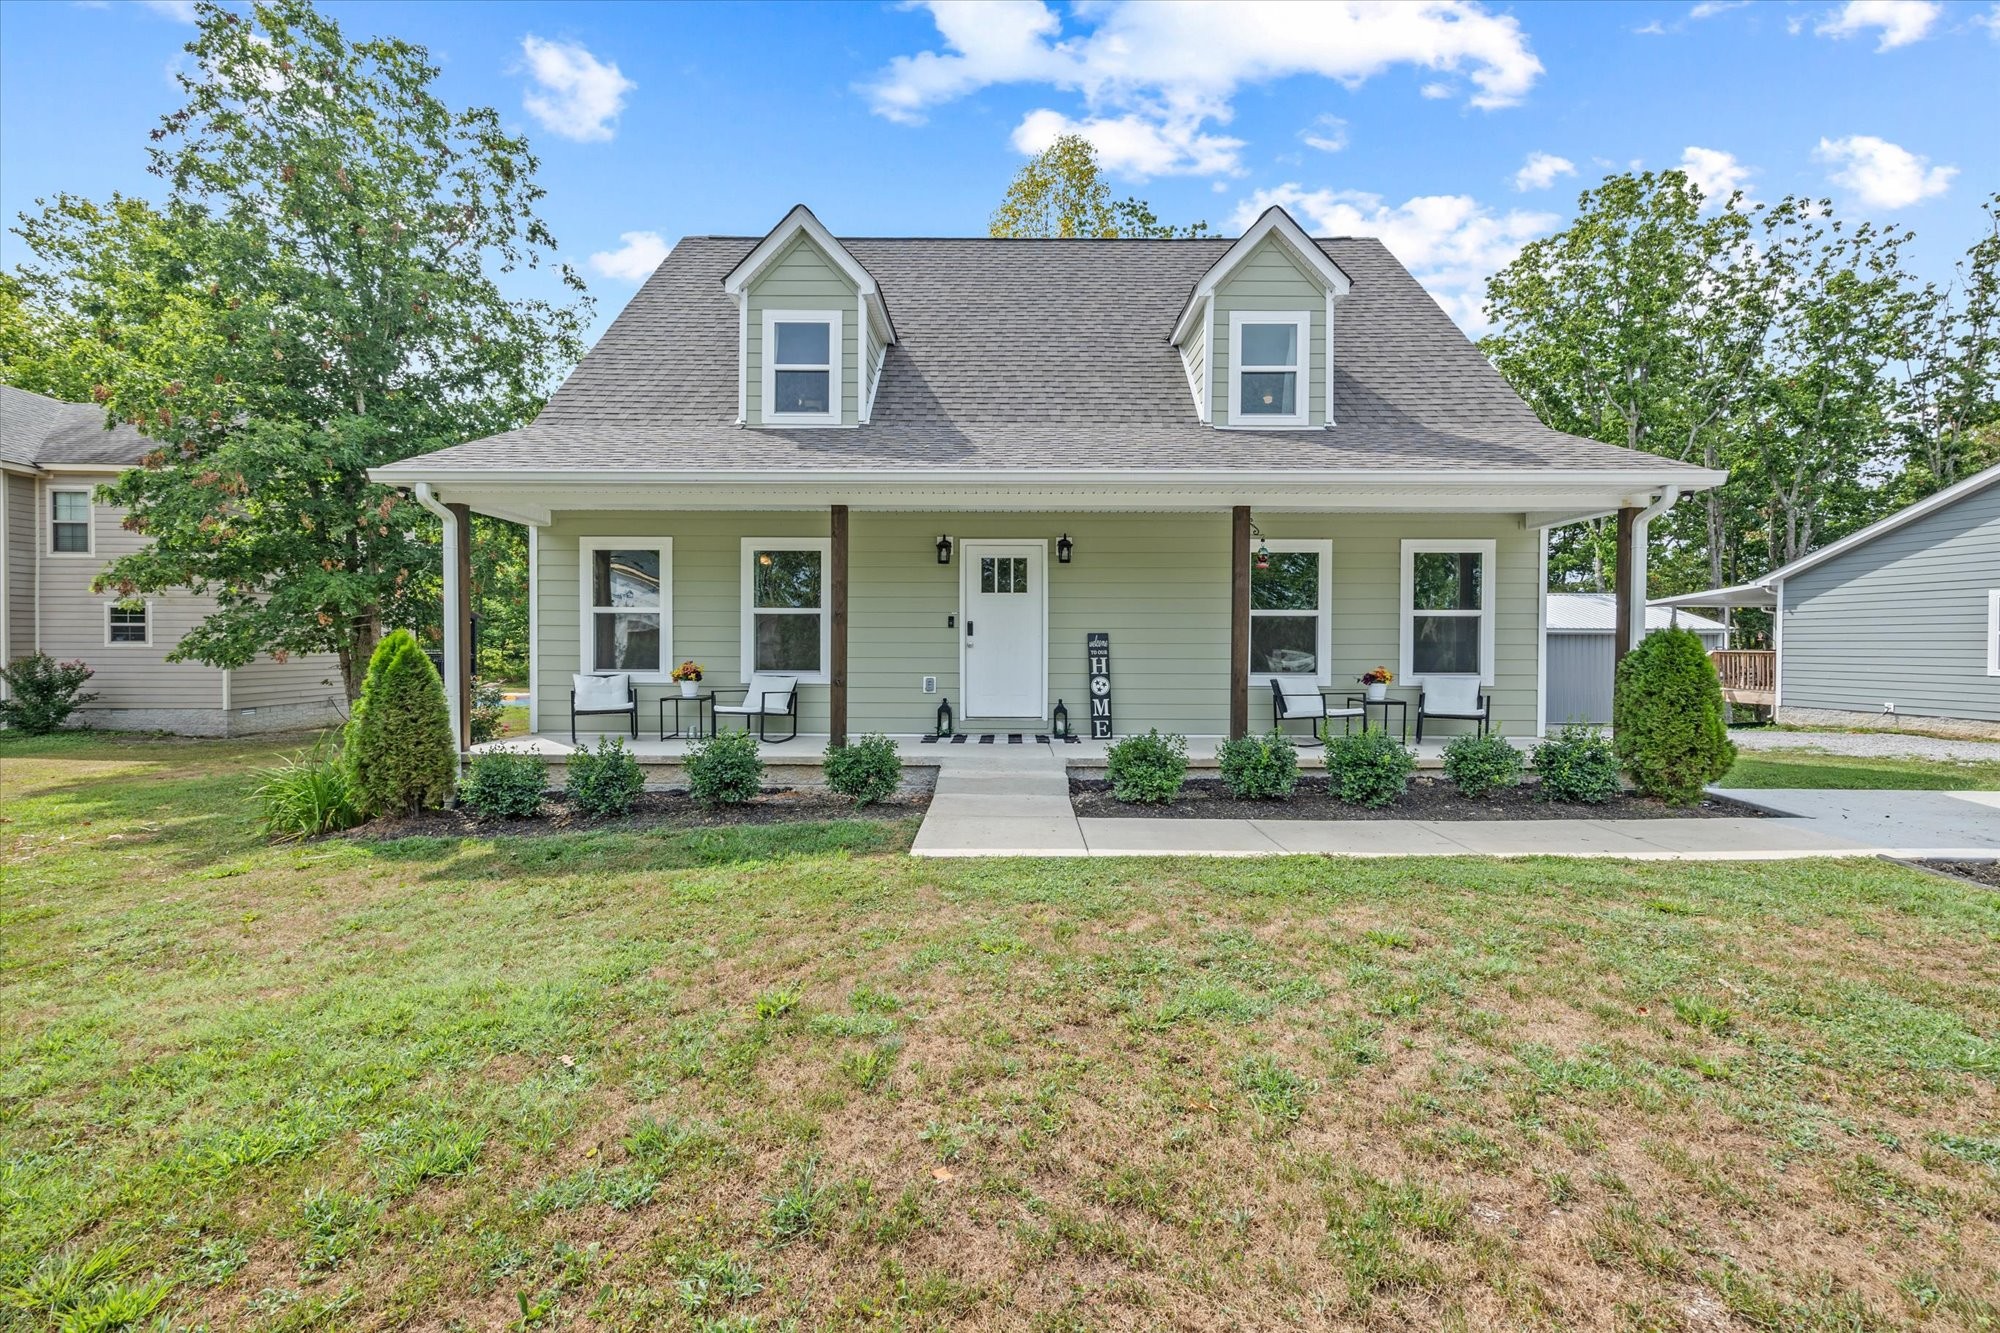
1427	798
653	810
1986	874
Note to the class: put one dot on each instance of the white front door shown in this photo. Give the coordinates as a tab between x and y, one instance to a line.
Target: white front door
1004	628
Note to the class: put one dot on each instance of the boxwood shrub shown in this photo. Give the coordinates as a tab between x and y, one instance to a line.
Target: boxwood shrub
605	781
504	786
869	770
1576	764
1481	765
1148	769
725	769
1259	768
1369	768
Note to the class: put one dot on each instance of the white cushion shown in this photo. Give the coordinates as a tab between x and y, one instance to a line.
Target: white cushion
1451	694
768	692
612	691
1299	696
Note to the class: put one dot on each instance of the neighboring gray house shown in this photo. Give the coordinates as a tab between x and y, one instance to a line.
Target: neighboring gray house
55	537
1896	624
1583	650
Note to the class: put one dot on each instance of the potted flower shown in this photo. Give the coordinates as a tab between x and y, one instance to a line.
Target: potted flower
688	674
1377	680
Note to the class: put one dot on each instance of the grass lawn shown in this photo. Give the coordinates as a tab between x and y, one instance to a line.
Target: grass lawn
791	1078
1813	768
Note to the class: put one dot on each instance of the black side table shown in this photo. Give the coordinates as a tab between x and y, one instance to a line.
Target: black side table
1401	705
676	698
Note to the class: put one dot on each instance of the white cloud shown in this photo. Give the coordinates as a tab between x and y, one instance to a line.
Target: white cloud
1715	173
1178	66
1326	133
1539	172
1437	92
1899	21
1653	28
1990	21
1451	242
576	95
1882	174
1133	145
1708	9
180	11
633	261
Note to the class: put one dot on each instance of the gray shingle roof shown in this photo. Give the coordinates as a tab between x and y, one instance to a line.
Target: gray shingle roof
48	432
1032	354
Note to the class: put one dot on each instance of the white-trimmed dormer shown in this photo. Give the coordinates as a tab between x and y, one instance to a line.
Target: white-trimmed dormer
813	330
1256	334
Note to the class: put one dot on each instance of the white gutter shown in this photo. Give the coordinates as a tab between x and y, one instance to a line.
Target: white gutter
452	647
398	474
1635	596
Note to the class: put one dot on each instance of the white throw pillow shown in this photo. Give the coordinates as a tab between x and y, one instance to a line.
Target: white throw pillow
613	691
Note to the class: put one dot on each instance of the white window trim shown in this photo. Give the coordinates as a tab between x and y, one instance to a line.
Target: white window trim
111	605
1303	417
1323	647
89	522
586	644
1488	580
1993	632
752	545
835	350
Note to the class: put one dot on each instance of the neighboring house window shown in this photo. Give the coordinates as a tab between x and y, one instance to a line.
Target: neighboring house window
69	522
1993	632
128	622
802	367
1448	609
1291	628
1270	382
627	604
784	605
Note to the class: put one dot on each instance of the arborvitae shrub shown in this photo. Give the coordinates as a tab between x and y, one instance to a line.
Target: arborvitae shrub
399	743
1666	718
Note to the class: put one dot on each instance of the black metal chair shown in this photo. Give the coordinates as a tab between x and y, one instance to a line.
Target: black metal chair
598	691
1297	699
1457	698
768	695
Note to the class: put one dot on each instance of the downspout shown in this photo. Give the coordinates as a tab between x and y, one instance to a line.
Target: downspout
452	592
1637	592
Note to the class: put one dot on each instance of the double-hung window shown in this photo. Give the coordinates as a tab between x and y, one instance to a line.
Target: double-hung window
627	599
1270	376
69	522
128	621
1448	609
802	380
1291	626
784	605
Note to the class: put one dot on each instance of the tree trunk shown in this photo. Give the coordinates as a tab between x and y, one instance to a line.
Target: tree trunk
354	654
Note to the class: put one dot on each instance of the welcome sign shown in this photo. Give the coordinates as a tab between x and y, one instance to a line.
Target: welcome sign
1097	647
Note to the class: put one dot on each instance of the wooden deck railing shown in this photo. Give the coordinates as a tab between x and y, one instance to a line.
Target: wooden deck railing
1749	675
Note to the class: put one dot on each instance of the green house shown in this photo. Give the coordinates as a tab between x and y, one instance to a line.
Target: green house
896	472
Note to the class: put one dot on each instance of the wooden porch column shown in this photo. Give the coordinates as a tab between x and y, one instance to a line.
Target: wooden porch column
1622	581
836	669
461	516
1239	622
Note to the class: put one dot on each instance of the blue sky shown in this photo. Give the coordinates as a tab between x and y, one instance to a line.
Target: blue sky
1454	130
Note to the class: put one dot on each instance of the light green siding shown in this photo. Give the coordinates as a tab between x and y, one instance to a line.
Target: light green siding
803	278
1157	583
1268	279
1194	358
871	371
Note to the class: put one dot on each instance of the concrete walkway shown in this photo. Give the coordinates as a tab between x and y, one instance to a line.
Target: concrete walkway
1016	803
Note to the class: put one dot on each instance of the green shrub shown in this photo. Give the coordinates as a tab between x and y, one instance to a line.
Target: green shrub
1666	718
603	782
869	770
309	794
1481	765
1576	764
487	710
1259	768
725	769
44	692
1147	769
502	785
401	754
1369	768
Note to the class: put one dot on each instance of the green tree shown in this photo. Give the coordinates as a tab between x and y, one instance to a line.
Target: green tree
399	747
1948	413
1061	192
315	297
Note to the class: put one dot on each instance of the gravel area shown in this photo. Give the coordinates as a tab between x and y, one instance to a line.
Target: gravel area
1867	744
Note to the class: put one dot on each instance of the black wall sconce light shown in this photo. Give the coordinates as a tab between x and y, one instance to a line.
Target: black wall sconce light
1063	547
944	550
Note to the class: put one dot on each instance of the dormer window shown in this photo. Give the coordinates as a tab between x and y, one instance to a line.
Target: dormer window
1270	381
802	368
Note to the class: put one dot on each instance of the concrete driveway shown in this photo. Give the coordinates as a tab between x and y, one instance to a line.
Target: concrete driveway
1895	823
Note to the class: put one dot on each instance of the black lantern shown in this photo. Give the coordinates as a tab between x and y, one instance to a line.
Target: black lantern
944	550
1059	722
944	718
1063	547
